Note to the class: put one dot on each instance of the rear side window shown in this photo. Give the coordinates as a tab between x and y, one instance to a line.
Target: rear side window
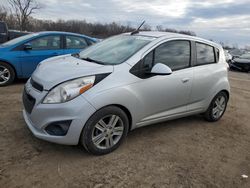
205	54
74	42
175	54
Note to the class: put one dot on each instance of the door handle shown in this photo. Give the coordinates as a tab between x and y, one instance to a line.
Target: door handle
184	80
55	53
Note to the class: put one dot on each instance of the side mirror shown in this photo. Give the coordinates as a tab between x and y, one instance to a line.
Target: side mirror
27	46
161	69
77	55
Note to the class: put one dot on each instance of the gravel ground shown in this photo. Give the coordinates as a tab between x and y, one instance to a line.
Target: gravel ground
188	152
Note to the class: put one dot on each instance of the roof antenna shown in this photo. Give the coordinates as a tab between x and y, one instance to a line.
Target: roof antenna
137	30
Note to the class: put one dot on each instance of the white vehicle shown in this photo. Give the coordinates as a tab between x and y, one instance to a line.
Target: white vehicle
228	56
122	83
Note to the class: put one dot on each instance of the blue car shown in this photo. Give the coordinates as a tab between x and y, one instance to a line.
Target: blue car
19	57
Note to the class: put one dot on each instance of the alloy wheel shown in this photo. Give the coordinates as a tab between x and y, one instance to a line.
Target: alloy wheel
4	75
219	107
108	132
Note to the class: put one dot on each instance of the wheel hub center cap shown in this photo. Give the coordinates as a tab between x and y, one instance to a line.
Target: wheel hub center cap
109	131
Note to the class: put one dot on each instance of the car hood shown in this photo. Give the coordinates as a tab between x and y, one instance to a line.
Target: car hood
54	71
239	60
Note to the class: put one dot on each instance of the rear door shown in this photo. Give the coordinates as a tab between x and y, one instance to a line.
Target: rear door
41	48
206	75
74	44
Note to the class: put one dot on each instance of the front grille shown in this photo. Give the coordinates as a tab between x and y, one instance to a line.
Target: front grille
28	101
36	85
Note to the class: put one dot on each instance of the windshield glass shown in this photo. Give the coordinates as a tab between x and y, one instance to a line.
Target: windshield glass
245	56
18	39
115	50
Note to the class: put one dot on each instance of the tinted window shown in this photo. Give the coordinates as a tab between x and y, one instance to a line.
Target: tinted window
46	43
175	54
205	54
73	42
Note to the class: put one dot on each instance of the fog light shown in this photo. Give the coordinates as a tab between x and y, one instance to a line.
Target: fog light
59	128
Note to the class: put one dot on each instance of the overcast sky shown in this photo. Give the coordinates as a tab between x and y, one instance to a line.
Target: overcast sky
220	20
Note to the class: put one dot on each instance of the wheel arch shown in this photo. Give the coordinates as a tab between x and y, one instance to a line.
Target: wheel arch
127	112
12	66
227	93
123	108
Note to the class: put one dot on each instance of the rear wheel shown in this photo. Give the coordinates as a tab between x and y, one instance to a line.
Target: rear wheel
7	74
217	107
105	130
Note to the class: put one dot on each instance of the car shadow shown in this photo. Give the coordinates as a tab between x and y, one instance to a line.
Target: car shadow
138	134
20	81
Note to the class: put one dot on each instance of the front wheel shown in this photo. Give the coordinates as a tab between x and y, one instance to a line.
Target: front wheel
7	74
217	107
105	130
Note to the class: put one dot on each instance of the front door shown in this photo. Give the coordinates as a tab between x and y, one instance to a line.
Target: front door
39	49
164	95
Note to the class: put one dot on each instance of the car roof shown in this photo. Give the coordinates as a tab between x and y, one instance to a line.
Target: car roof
169	35
62	33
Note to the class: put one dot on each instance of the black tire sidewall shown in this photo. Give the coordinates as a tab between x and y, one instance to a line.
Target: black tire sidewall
12	74
86	136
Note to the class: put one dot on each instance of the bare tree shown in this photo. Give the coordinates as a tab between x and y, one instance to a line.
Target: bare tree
23	9
146	27
159	28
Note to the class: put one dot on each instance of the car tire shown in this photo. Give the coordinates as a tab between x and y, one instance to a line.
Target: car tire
215	111
7	74
109	126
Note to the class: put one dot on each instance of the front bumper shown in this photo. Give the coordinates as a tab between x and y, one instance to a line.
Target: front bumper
77	110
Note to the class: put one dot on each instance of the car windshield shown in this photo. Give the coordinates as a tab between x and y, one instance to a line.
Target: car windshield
19	39
245	56
115	50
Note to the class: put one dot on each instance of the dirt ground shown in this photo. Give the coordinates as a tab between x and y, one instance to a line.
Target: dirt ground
188	152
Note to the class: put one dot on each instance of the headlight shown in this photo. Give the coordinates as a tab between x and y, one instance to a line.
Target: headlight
69	90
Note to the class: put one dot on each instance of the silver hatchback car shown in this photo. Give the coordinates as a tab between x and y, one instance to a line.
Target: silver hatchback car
122	83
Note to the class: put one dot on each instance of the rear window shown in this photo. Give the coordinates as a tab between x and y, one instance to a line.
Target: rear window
205	54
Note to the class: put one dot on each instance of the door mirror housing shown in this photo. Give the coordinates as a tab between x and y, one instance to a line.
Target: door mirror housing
27	46
161	69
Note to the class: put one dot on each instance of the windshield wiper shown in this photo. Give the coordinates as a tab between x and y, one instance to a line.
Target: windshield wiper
93	60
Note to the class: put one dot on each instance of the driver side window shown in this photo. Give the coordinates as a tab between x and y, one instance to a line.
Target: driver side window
175	54
46	43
